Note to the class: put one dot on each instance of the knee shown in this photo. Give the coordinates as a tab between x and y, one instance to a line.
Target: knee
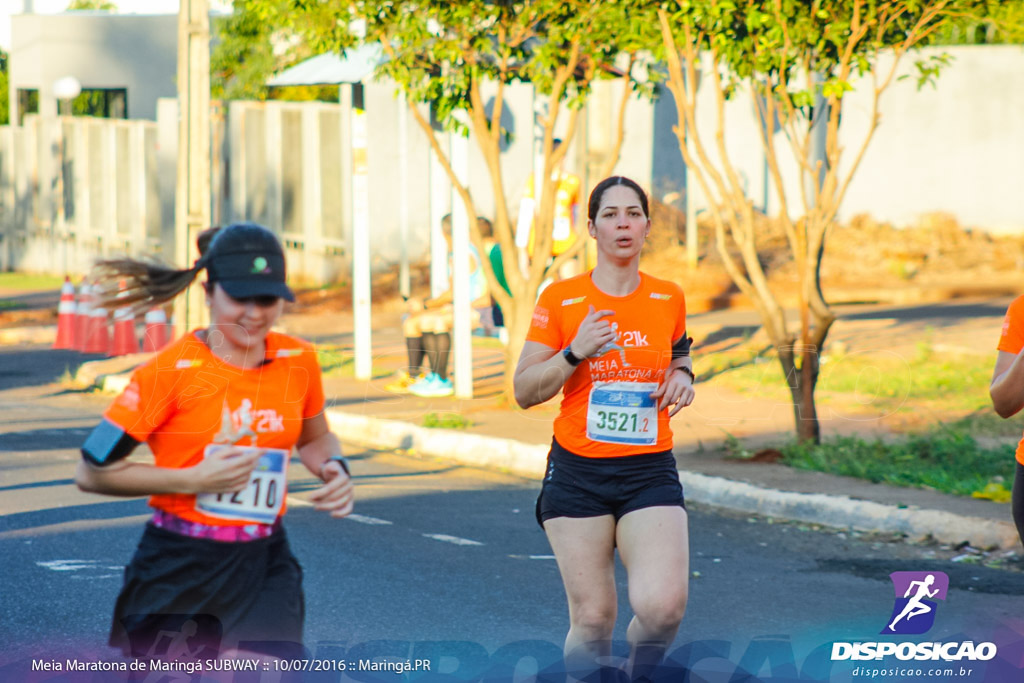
594	620
662	611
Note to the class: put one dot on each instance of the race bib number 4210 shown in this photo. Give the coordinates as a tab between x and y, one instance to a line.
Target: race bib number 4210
260	501
623	412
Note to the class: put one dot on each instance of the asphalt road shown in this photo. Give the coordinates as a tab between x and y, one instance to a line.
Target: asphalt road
447	564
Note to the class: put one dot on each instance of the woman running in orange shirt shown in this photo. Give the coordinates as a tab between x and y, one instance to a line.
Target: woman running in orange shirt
221	410
614	341
1007	392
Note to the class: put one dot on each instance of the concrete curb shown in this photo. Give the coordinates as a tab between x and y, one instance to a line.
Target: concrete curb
506	455
844	512
529	461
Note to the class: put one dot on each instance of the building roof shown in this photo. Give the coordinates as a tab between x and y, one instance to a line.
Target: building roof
331	69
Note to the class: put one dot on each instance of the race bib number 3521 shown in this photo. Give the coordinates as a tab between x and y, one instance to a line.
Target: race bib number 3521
260	501
623	412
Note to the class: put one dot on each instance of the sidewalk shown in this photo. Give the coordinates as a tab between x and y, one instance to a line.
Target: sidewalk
516	441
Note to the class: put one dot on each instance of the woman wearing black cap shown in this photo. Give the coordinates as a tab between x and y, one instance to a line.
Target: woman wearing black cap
221	410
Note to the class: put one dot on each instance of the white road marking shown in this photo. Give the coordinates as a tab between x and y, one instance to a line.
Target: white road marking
366	519
542	557
298	502
92	578
455	540
68	565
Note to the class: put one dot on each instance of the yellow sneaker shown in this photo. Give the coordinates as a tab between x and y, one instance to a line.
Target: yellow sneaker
402	382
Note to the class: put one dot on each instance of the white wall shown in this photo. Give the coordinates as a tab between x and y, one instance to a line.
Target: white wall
957	147
136	52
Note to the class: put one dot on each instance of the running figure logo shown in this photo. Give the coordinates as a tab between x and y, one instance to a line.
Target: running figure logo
613	346
914	610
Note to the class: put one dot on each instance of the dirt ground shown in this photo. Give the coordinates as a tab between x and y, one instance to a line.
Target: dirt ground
865	261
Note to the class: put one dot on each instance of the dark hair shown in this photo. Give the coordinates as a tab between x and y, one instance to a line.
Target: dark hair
144	283
595	197
486	229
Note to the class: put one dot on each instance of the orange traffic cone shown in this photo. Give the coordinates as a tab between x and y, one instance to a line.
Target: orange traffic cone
157	333
66	317
124	341
97	338
82	314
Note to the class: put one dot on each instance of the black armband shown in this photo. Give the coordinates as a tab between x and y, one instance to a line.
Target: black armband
681	348
107	444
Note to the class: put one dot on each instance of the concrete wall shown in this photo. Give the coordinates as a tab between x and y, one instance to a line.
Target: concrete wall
957	147
102	50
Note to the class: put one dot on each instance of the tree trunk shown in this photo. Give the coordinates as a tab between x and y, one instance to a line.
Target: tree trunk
517	322
801	383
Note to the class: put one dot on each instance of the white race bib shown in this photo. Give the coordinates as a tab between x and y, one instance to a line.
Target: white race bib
261	500
623	412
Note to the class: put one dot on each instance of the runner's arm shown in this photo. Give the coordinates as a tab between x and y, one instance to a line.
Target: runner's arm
320	451
540	374
226	471
1007	388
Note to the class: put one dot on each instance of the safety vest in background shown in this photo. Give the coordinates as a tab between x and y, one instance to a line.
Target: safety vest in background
567	197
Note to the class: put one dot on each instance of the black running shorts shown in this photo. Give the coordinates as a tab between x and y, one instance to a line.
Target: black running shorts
246	594
575	486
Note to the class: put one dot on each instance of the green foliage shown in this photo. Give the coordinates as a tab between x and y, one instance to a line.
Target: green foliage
945	460
252	45
777	43
446	421
991	23
438	51
106	5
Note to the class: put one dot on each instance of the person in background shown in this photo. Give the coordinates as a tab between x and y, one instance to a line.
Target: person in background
222	409
613	341
428	325
493	320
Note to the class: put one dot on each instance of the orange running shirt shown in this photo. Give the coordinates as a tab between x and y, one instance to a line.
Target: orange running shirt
604	413
184	397
1012	341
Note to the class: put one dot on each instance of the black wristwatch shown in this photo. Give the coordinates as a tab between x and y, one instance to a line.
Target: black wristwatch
571	357
338	459
688	371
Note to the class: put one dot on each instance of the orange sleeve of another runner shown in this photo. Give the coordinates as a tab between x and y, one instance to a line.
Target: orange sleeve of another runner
1012	338
544	328
143	405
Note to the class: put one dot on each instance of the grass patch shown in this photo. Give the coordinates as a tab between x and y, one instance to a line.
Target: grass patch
334	361
985	423
887	382
338	362
946	460
30	282
446	421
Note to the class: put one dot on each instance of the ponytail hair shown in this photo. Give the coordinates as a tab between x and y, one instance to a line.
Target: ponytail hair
144	283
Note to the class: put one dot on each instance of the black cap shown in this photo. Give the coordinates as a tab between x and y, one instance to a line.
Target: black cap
247	260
